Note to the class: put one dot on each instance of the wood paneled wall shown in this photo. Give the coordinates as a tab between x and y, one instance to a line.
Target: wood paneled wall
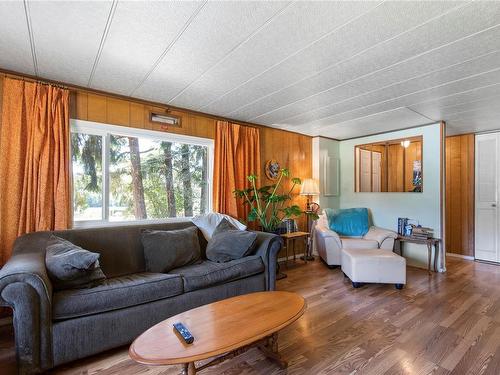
292	150
395	170
111	110
460	194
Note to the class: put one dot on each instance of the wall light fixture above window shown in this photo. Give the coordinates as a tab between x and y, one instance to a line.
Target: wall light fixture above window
164	119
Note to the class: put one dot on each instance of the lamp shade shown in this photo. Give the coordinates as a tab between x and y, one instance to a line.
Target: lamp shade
309	187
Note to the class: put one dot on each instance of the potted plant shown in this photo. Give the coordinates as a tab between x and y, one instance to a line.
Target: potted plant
268	203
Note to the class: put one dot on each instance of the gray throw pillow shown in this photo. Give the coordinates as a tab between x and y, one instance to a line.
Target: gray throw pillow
229	243
69	266
165	250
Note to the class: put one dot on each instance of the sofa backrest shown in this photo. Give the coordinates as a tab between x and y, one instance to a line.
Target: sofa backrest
120	247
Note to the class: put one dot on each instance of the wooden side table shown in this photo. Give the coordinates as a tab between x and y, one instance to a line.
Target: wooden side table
430	242
290	238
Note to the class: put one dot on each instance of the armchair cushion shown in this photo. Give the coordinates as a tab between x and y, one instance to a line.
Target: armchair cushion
379	234
359	243
351	222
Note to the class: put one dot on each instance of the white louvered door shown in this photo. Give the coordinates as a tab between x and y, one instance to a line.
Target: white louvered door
486	202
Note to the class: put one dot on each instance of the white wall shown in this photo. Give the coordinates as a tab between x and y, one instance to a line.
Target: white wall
323	147
387	207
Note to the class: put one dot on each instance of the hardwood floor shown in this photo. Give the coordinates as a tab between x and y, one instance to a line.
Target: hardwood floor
439	324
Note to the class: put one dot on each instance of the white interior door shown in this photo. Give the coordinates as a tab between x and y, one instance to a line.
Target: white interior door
486	228
365	170
376	171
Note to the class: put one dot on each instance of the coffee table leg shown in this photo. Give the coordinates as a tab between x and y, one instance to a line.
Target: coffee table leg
189	369
270	350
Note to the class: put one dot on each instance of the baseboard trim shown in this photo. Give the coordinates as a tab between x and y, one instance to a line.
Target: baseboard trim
467	257
6	321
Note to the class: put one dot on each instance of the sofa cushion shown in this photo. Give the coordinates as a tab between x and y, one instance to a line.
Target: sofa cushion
70	266
115	293
168	249
207	273
229	243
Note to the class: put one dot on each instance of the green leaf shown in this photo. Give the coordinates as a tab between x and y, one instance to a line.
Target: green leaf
297	180
252	178
285	172
253	215
292	211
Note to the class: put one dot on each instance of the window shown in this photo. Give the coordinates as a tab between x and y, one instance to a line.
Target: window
122	174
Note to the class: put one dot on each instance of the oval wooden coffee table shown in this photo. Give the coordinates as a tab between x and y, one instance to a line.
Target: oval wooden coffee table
222	330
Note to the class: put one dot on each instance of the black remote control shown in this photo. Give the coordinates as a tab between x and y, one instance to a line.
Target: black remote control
184	332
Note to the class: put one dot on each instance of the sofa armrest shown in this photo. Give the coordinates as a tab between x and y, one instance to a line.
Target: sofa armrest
26	288
380	235
268	246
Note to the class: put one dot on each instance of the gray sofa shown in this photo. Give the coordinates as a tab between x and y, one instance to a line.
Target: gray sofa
55	327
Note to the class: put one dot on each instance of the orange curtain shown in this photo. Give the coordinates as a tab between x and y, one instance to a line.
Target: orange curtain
34	161
237	155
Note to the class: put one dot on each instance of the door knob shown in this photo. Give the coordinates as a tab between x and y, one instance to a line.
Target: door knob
493	205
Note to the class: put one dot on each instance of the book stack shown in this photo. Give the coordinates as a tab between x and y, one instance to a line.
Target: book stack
402	223
422	232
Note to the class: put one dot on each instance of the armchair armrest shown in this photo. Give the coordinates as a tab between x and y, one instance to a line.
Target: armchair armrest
26	288
381	235
268	246
324	233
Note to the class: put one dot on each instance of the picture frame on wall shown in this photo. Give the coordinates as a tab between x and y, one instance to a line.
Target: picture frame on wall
331	169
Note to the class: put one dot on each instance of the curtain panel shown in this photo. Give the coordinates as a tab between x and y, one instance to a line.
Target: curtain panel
237	155
34	161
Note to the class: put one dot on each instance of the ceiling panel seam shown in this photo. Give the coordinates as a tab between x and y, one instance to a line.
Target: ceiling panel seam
169	47
31	36
443	69
291	55
410	105
465	103
360	77
331	32
402	96
421	114
249	37
343	123
103	40
458	93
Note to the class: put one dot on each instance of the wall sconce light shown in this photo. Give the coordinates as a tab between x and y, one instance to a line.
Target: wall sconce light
165	120
405	143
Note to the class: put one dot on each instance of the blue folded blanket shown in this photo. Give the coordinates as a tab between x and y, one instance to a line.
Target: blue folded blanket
349	222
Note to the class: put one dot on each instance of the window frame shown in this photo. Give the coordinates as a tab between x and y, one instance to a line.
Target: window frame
105	131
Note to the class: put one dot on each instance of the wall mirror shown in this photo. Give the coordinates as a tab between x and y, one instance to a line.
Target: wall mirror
389	166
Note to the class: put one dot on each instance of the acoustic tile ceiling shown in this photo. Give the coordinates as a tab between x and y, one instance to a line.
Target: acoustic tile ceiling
337	69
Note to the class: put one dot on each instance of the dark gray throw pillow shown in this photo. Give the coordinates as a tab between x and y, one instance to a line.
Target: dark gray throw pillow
229	243
165	250
69	266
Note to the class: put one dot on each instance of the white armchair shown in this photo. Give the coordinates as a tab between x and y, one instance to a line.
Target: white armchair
329	244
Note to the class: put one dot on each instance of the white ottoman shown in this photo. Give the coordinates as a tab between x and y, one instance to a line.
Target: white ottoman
374	266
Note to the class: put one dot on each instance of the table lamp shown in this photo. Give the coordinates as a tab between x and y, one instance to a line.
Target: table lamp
309	188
